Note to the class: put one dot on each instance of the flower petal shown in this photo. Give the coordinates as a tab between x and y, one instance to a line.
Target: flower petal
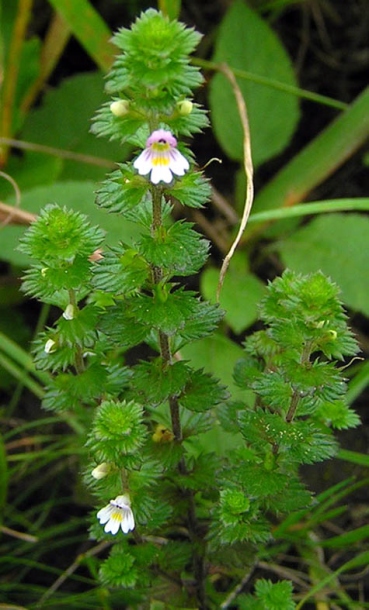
128	522
104	514
161	172
178	163
114	523
143	163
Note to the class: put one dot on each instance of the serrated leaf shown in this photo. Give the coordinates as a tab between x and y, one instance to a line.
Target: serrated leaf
275	596
192	190
178	249
155	381
337	245
202	392
246	42
121	326
178	312
123	192
121	271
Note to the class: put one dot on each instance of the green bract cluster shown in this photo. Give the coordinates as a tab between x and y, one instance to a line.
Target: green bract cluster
180	511
153	76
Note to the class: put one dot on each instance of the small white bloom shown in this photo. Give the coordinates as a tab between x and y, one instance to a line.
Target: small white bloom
101	471
119	107
117	514
68	314
161	158
50	346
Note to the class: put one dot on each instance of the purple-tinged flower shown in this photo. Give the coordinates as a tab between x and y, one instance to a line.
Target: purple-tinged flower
117	514
161	158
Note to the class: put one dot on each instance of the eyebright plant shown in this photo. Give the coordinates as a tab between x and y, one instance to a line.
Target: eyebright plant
179	515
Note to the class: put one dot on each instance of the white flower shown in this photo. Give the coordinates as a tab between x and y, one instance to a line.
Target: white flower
68	314
50	346
116	514
101	471
161	158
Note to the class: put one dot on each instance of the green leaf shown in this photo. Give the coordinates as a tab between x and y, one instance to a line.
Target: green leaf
246	42
121	326
275	596
121	271
119	569
63	121
177	313
122	192
155	381
192	190
178	249
240	295
202	392
337	245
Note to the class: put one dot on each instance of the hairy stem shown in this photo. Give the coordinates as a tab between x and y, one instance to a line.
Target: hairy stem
165	352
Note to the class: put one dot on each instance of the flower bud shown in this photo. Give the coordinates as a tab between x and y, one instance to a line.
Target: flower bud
119	108
50	346
101	471
184	107
68	314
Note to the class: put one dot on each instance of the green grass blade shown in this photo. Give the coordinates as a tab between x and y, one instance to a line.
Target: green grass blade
258	79
360	560
354	457
306	209
89	28
21	357
21	376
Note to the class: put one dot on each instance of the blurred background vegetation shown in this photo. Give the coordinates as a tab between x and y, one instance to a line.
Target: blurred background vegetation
303	69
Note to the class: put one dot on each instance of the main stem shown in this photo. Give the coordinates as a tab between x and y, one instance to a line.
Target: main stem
165	351
163	338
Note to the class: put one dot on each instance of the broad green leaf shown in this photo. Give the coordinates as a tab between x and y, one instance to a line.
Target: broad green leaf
240	295
246	42
337	244
30	170
75	195
63	121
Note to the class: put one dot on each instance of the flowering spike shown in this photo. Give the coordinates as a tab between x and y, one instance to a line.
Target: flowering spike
161	158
